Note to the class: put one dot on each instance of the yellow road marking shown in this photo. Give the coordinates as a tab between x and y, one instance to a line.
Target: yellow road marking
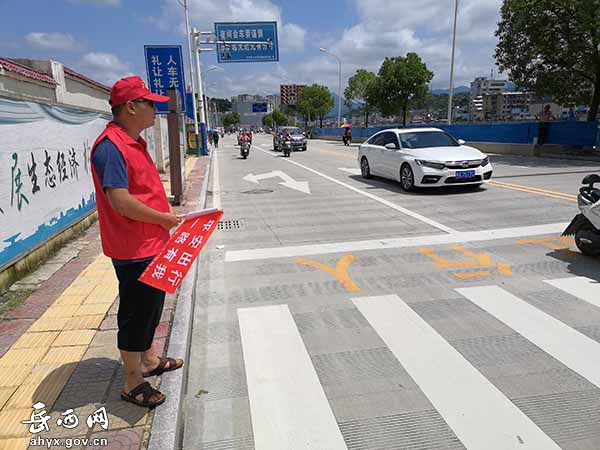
551	242
466	275
340	272
483	259
442	263
504	269
477	260
530	190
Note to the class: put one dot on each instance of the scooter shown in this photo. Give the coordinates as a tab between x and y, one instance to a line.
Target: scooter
347	140
586	225
287	148
245	148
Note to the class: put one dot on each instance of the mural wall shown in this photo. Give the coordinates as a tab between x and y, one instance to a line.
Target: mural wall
45	176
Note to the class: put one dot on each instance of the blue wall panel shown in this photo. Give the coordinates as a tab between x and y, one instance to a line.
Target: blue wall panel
563	133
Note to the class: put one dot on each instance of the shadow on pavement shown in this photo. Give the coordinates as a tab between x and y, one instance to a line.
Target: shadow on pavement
579	264
394	186
93	383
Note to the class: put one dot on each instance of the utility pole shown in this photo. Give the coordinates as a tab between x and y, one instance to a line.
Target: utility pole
189	46
451	92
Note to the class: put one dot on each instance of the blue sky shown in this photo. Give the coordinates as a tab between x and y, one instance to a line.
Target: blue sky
104	39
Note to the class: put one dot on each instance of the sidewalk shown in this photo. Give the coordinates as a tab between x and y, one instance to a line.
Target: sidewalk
59	347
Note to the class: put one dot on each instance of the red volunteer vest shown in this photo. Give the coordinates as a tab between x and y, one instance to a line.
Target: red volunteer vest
123	238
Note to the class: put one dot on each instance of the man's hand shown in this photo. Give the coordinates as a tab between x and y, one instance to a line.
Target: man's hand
169	220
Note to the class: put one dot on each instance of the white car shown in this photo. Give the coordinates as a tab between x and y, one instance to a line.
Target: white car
423	157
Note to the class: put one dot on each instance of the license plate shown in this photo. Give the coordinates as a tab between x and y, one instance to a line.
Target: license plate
465	174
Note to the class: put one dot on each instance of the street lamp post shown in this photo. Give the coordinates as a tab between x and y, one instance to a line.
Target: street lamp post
189	47
197	51
452	64
339	114
206	108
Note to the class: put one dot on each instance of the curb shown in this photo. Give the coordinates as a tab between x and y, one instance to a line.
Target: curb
166	431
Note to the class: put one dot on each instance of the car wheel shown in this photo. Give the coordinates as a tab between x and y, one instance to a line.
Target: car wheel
407	178
304	148
365	170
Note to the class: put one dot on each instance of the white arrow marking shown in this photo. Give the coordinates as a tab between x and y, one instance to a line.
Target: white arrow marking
288	181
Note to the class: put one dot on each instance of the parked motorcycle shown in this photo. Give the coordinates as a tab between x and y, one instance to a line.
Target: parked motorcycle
287	148
586	225
245	148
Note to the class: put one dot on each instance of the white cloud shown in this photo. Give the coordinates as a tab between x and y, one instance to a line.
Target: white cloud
52	41
385	28
292	37
396	27
104	67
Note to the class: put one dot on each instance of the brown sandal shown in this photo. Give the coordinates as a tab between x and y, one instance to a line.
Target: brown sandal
174	364
147	391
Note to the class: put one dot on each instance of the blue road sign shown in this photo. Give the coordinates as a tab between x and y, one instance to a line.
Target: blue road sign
259	107
263	32
164	66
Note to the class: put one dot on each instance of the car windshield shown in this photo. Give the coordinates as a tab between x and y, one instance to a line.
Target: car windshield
424	139
294	131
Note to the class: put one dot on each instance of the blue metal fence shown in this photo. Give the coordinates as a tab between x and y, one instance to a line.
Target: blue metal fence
563	133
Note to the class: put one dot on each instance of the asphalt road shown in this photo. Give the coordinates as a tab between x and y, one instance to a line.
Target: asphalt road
335	312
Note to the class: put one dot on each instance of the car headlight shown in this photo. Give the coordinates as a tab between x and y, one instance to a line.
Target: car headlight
485	161
430	164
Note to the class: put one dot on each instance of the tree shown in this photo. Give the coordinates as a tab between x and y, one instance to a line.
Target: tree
359	87
402	82
267	120
231	119
316	100
279	118
552	47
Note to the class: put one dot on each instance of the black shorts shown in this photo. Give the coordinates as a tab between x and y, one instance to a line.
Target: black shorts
140	308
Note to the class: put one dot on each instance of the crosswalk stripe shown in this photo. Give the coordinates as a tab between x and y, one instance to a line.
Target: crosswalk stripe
478	413
582	287
572	348
288	406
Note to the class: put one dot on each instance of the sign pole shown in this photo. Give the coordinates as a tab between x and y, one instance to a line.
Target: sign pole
201	95
189	46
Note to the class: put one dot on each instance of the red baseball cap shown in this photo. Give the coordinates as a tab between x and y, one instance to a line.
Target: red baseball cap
132	88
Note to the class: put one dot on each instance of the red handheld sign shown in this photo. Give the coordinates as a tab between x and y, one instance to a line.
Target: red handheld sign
169	268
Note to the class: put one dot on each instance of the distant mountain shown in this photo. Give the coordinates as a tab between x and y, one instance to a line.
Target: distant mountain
456	90
344	110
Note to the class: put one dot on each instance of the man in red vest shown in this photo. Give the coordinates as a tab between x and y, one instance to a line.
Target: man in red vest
135	218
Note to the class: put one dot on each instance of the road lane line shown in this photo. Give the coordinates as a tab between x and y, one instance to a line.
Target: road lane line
288	406
570	347
480	415
517	187
534	189
412	214
581	287
381	244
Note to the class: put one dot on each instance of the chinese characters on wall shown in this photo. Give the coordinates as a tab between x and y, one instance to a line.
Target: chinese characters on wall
57	168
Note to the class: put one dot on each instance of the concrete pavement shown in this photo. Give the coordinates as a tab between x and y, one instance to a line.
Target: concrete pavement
331	311
348	318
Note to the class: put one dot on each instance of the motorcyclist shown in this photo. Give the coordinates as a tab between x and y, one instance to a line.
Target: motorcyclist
246	137
347	135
